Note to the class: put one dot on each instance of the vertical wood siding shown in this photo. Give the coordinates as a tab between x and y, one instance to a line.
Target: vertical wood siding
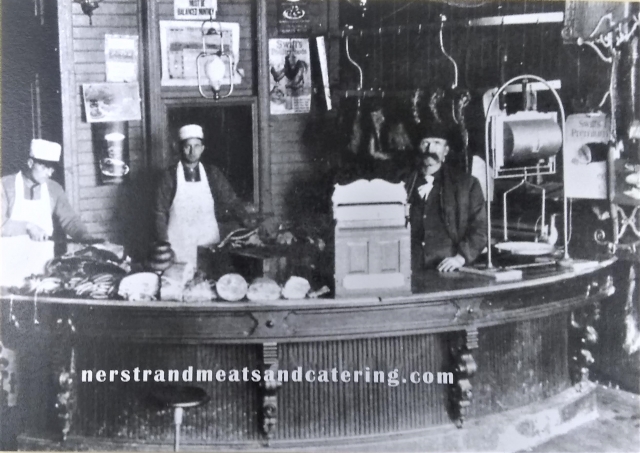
101	206
297	156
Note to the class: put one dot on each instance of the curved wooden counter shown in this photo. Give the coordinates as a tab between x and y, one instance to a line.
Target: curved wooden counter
524	338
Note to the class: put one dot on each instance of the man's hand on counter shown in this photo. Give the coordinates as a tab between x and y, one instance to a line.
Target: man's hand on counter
36	233
452	263
93	240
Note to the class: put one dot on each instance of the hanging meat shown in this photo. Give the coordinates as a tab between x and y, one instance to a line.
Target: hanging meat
462	100
435	104
375	144
356	132
416	104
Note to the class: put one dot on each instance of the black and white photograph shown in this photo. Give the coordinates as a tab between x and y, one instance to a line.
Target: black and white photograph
320	225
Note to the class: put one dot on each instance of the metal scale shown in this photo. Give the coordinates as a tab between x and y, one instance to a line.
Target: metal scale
211	61
523	145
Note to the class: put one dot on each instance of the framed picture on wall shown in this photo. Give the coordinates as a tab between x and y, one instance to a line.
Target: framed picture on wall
182	41
108	102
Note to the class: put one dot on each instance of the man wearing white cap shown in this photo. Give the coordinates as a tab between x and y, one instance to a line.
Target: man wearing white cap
192	199
31	205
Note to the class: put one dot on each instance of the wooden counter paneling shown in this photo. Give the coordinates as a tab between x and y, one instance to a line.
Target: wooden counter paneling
520	363
126	411
519	335
332	410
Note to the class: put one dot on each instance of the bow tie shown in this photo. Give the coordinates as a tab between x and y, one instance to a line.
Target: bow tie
425	189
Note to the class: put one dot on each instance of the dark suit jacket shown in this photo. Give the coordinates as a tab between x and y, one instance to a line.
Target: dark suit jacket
463	210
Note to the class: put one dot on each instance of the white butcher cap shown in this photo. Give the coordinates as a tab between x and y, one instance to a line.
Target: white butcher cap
45	150
191	131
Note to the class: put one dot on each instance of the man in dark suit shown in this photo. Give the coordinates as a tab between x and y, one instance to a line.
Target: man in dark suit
447	215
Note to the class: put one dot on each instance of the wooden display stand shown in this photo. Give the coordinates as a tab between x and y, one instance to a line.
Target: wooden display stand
372	239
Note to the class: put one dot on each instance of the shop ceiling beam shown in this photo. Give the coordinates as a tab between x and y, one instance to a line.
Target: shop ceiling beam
518	19
490	21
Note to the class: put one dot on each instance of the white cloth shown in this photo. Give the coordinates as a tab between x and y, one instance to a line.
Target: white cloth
192	218
425	189
21	256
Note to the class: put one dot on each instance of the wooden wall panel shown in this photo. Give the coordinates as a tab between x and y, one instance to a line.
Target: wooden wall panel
103	208
297	151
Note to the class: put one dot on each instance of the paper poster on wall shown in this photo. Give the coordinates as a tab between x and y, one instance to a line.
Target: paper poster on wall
585	155
290	76
107	102
324	69
121	58
195	9
181	42
293	17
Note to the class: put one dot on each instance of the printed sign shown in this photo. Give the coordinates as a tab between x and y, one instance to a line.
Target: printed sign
293	17
195	9
121	58
290	76
182	42
585	155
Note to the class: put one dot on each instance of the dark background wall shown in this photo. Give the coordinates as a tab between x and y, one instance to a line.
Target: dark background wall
29	53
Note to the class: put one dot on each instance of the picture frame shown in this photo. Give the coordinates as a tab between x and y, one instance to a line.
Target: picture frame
108	102
182	41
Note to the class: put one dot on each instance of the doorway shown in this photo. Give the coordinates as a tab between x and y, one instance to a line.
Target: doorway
230	139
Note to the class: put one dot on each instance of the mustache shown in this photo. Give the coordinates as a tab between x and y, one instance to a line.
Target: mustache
434	156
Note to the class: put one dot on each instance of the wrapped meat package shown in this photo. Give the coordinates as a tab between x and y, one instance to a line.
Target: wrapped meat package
180	273
296	288
263	288
171	289
142	286
199	292
232	287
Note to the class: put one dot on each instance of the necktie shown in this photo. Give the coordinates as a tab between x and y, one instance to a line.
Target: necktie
425	189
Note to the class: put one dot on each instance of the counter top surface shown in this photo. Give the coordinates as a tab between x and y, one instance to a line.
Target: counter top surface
427	286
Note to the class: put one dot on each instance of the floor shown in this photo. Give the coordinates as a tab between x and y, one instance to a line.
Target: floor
616	430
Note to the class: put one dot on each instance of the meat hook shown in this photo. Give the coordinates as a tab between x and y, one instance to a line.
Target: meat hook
346	42
443	19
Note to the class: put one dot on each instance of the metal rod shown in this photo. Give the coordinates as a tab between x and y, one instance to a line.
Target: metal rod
492	21
525	266
535	86
518	19
33	112
177	421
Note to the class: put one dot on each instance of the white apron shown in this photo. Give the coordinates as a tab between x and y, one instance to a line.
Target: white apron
19	255
192	218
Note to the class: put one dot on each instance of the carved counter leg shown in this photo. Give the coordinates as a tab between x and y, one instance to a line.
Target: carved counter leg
464	367
63	355
270	385
582	335
8	378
